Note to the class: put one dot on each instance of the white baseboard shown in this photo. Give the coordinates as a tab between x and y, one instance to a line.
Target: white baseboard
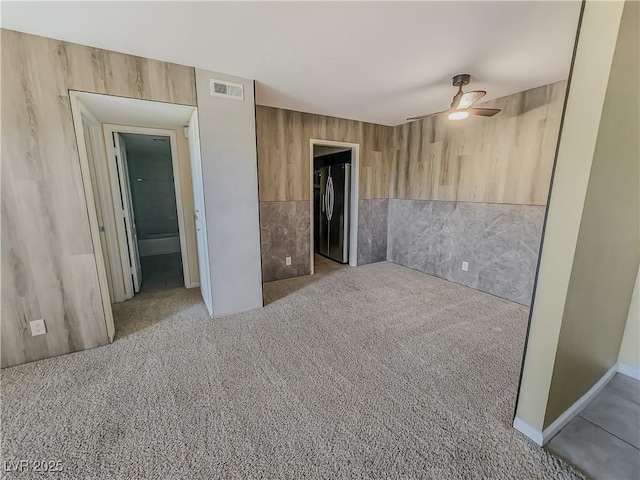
541	438
629	371
529	431
578	406
193	285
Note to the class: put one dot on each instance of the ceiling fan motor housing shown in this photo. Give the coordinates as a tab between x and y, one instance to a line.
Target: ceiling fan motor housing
461	80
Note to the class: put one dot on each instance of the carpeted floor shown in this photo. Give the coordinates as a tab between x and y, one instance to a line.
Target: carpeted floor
370	372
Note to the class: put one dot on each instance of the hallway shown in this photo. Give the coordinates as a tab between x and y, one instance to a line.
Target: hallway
160	272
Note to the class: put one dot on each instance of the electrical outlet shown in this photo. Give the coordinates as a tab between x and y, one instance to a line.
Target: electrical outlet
465	266
288	260
37	327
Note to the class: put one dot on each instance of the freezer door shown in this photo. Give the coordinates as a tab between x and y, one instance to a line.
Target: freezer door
338	186
321	207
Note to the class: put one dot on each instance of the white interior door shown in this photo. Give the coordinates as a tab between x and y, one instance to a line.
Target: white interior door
128	216
193	137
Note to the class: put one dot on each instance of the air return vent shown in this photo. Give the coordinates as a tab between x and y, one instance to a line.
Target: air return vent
220	88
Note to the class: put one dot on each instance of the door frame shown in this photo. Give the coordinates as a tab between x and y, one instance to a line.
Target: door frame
353	200
109	130
192	132
79	114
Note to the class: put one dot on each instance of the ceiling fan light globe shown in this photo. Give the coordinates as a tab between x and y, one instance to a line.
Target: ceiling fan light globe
458	115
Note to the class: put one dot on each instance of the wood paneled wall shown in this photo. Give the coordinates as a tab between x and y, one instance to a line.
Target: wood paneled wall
48	263
504	159
283	152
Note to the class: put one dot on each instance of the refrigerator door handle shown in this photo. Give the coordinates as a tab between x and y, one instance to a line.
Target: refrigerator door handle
326	198
333	196
322	203
330	198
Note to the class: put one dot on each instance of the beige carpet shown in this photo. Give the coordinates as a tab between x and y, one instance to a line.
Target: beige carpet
370	372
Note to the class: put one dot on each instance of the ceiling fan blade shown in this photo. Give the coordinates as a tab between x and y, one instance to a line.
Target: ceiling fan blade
469	98
456	98
483	112
429	115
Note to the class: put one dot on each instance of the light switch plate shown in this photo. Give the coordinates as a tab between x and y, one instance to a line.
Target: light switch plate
465	266
288	260
37	327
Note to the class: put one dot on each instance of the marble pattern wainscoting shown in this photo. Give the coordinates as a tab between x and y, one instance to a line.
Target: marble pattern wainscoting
284	232
500	242
372	230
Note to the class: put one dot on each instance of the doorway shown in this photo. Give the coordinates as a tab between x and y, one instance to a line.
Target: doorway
334	203
144	193
154	201
146	186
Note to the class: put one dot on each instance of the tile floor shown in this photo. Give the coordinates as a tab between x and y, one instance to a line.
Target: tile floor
604	440
323	265
160	272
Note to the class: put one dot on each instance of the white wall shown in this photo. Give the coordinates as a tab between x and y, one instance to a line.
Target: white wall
230	176
629	355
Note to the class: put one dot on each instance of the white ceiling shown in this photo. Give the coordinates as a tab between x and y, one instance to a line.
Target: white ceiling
374	61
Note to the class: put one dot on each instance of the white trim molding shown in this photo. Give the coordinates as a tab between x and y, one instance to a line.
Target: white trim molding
629	371
78	114
541	438
528	431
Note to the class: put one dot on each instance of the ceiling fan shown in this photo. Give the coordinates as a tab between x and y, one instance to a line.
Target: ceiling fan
462	104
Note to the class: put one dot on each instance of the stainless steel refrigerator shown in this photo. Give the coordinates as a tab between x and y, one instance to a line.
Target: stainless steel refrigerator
332	211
